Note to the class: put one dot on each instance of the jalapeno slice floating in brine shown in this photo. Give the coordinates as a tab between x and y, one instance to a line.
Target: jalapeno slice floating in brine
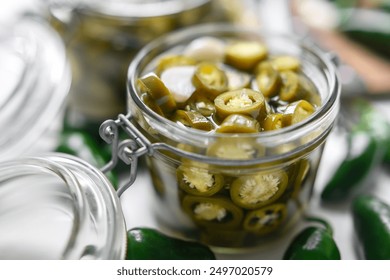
273	121
210	80
267	79
244	101
192	119
289	90
237	123
285	62
173	60
265	220
161	95
254	191
213	212
201	104
235	148
297	111
198	180
244	55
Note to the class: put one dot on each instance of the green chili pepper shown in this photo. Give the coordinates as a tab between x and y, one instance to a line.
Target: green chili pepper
82	145
371	218
150	244
369	134
313	243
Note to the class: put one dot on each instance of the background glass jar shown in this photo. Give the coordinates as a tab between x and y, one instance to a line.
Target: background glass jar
289	156
103	36
56	206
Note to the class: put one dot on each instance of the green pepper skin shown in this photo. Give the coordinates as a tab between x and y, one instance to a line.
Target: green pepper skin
371	219
83	145
313	243
150	244
357	167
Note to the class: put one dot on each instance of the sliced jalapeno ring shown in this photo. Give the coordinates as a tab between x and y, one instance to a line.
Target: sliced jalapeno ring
210	80
213	212
244	101
265	220
244	55
192	119
201	104
286	62
161	95
150	102
289	90
198	181
168	61
296	112
237	123
267	79
235	148
255	191
273	121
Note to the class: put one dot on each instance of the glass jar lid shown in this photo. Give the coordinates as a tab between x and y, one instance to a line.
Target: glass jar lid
58	207
35	80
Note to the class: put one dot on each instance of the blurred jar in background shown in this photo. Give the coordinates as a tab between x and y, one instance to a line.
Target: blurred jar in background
35	79
102	37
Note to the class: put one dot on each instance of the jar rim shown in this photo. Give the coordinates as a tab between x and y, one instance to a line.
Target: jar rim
326	112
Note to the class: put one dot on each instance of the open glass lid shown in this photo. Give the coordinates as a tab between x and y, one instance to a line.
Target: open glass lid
35	80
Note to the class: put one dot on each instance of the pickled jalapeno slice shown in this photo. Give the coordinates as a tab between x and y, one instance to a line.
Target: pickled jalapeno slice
238	123
244	101
161	95
192	119
213	212
201	104
168	61
235	148
273	121
289	90
198	180
244	55
286	62
254	191
210	80
267	79
297	111
265	220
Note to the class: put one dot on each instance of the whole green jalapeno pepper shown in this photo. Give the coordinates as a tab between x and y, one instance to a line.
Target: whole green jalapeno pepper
150	244
371	219
371	130
82	144
313	243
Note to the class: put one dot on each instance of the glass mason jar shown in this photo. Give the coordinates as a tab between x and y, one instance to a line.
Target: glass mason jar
103	36
288	157
56	206
35	79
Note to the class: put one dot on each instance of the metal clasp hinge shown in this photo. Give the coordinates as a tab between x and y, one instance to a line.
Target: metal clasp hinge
128	150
